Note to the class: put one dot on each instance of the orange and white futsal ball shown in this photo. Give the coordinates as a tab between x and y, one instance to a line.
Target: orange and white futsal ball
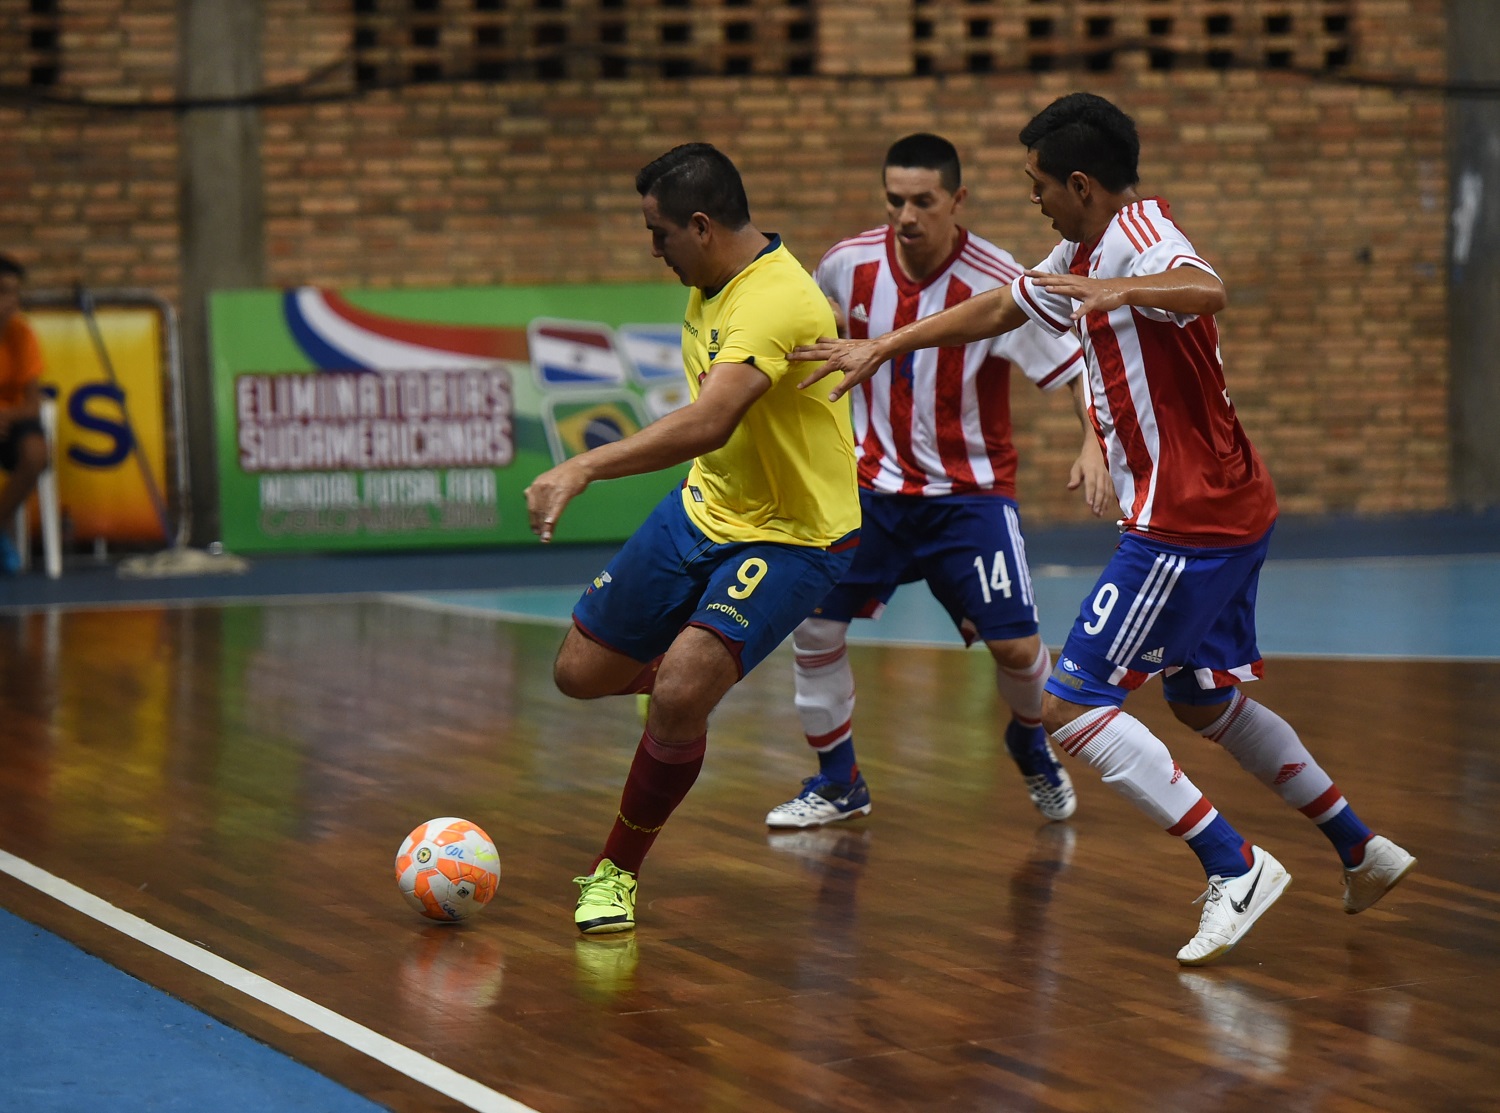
447	869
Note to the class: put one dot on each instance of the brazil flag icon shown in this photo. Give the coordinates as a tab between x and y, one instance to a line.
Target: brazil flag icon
575	425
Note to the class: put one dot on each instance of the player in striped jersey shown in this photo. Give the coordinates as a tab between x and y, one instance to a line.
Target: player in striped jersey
1197	510
937	478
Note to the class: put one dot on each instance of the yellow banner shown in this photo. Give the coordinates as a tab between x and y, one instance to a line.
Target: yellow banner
100	485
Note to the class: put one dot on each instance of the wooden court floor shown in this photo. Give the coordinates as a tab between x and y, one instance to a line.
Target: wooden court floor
241	776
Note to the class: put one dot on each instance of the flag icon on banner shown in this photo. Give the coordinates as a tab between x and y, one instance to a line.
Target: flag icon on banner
574	353
654	352
574	427
662	400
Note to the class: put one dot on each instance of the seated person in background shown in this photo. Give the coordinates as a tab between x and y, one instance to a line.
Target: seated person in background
23	447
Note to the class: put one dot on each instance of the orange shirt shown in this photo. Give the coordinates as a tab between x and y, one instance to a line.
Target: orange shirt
20	361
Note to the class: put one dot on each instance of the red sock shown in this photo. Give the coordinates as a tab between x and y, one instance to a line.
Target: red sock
644	681
660	777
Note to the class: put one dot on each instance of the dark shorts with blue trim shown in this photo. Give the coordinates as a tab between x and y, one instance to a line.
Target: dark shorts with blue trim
968	548
670	575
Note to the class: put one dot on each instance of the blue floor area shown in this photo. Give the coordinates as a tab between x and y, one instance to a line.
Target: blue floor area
1080	546
84	1036
1389	607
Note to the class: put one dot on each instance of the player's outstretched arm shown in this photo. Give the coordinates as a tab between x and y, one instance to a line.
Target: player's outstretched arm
1188	290
1090	471
982	316
701	426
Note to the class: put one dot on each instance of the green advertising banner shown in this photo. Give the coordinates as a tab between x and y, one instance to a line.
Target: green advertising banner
383	419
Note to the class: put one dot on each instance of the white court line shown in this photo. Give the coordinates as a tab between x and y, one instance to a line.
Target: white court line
397	1056
478	610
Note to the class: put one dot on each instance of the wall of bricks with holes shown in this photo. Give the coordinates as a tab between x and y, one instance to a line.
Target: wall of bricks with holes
494	141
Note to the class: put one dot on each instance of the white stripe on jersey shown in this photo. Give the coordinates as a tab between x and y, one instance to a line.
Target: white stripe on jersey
1129	339
909	439
1205	485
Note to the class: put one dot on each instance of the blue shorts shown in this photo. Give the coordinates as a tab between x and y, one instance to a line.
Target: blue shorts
670	575
1163	608
967	547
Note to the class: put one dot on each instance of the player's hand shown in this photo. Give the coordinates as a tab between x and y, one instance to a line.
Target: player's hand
1091	472
1095	295
549	493
857	359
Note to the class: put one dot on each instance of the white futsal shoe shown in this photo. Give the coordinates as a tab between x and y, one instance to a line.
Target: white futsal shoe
821	802
1231	906
1385	864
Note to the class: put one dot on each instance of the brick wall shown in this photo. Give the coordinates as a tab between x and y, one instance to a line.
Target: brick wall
1324	205
89	195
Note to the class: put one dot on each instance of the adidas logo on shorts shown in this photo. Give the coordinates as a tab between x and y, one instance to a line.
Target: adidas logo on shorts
1154	656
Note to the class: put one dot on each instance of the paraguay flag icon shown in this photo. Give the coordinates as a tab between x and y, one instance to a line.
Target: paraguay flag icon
577	425
574	354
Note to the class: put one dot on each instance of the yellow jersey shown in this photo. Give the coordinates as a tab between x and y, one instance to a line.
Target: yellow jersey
788	472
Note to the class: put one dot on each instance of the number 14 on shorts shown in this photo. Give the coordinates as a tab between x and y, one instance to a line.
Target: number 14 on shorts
995	579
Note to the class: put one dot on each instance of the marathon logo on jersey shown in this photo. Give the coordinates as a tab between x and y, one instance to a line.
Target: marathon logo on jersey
1063	674
730	611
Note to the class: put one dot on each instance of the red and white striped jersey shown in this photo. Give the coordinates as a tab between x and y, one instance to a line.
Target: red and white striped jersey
939	422
1183	469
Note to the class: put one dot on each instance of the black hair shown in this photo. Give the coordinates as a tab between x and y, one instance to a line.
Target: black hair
12	266
926	151
696	178
1084	132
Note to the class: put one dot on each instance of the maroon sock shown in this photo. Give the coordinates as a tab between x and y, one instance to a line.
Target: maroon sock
644	681
660	777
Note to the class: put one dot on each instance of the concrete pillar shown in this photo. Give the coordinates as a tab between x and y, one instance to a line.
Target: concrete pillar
1474	254
221	209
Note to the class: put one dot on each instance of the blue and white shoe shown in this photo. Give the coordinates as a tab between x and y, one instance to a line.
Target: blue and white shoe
1047	782
822	801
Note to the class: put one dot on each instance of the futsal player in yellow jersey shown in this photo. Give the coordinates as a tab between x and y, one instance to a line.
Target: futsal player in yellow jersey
787	470
765	525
